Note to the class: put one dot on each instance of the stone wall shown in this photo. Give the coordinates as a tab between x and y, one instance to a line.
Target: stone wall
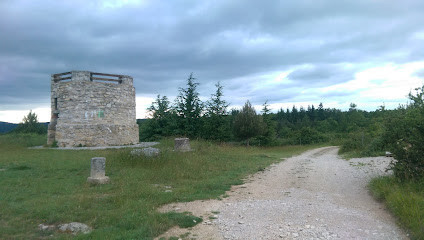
88	112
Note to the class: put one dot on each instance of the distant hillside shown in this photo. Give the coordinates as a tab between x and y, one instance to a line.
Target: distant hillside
6	127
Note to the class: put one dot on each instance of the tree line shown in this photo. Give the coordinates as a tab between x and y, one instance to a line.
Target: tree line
211	120
400	131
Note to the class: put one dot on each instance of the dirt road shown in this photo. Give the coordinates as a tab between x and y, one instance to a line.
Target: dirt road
316	195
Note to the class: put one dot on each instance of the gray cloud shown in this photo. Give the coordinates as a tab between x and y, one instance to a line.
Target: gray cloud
321	75
338	94
234	42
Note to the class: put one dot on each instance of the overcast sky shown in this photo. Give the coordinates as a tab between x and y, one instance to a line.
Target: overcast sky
303	52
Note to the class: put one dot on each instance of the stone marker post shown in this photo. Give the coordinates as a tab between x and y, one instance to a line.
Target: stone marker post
182	145
97	175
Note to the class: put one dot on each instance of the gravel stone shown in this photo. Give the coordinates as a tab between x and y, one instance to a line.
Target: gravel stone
316	195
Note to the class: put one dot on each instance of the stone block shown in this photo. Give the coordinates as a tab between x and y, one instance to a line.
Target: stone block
97	175
182	145
148	152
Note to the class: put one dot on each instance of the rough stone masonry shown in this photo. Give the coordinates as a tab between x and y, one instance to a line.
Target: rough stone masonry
92	109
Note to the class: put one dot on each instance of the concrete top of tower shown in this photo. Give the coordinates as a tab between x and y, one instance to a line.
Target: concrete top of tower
90	76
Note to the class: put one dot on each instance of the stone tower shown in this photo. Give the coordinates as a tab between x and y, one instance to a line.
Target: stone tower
92	109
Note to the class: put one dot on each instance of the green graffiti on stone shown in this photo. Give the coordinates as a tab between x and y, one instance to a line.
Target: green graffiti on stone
101	113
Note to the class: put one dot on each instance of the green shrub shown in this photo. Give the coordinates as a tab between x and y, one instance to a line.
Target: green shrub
306	135
404	136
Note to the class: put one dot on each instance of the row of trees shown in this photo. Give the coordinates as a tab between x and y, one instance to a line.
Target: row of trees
400	131
191	117
187	116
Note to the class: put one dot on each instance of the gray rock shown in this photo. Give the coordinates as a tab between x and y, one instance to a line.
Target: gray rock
75	228
151	152
43	227
136	152
182	145
148	152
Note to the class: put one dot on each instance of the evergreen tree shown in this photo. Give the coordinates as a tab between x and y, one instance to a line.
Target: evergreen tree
294	115
162	122
302	113
268	135
247	124
321	113
161	108
266	110
216	105
216	125
189	108
312	114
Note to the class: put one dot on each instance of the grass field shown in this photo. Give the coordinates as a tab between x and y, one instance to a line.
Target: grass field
405	200
49	186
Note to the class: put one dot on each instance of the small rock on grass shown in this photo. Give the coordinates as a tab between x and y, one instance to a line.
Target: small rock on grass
148	152
44	227
75	228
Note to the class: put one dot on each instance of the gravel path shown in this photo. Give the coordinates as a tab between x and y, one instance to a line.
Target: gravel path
316	195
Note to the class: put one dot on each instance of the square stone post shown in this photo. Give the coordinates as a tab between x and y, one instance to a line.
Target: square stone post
97	175
182	145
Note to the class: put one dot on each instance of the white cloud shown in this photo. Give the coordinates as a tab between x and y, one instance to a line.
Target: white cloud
142	103
383	83
16	116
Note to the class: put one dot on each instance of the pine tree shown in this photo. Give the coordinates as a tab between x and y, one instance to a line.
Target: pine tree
269	133
321	113
216	105
189	108
162	122
216	125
